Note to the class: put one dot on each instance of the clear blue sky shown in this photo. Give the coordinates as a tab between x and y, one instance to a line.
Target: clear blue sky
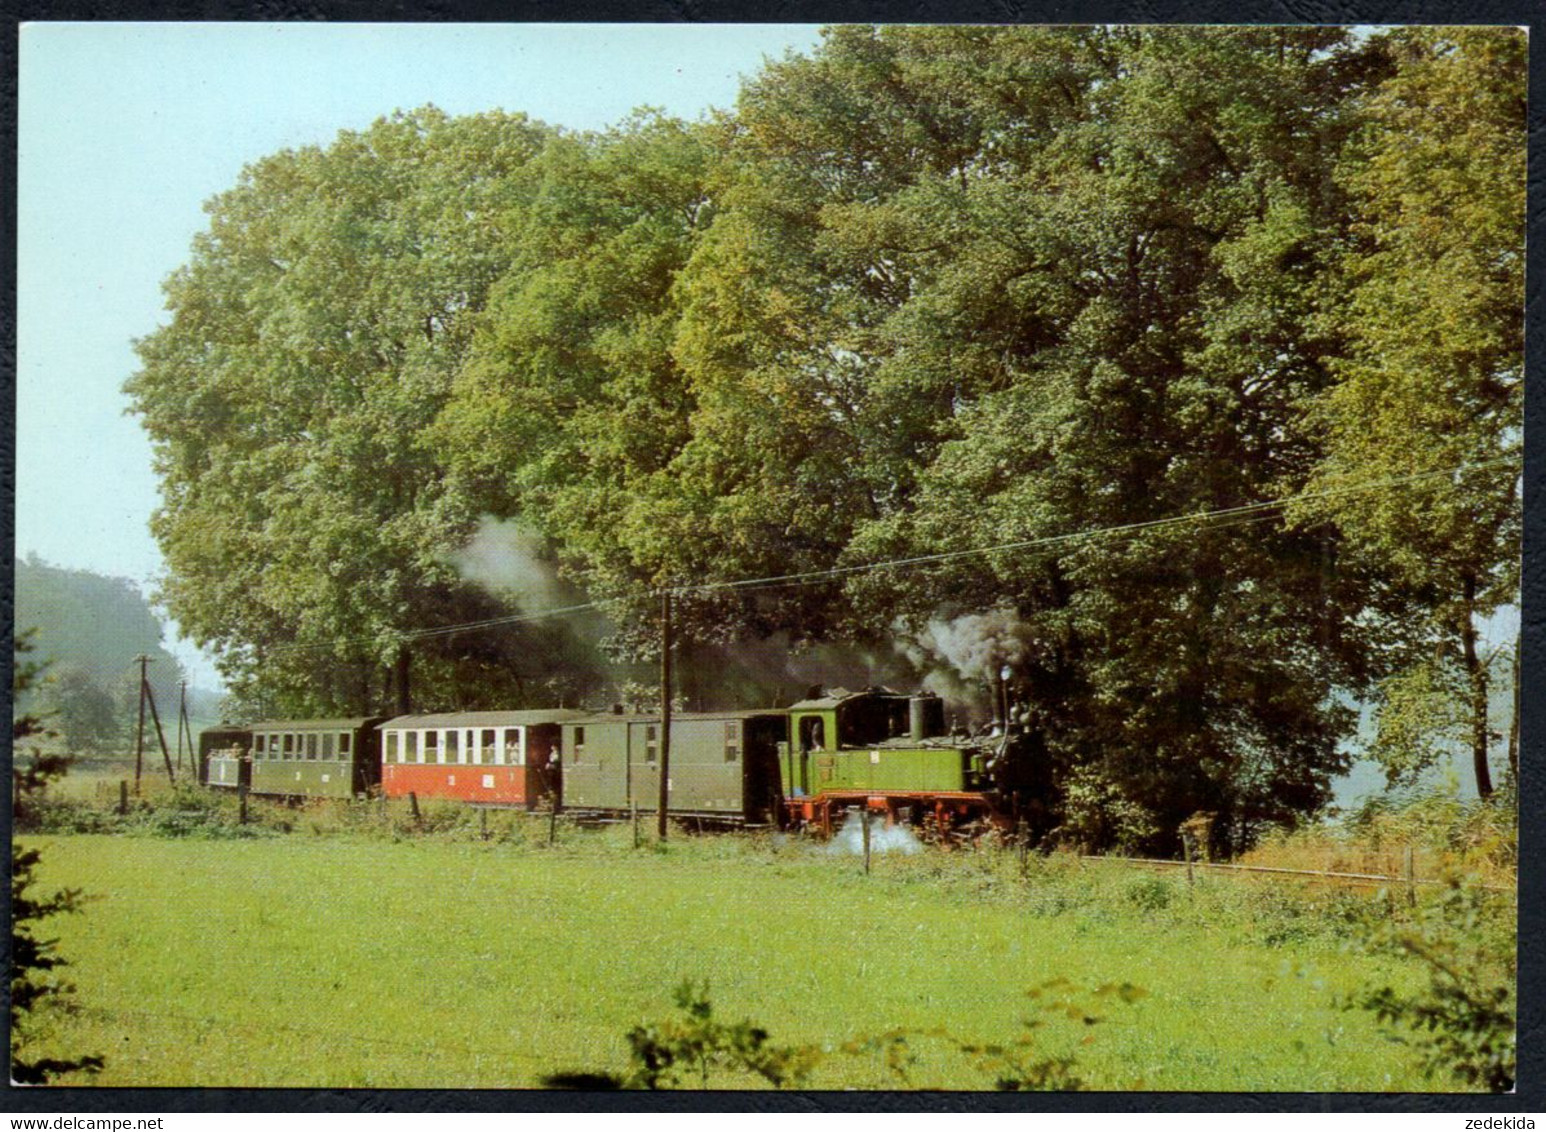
126	129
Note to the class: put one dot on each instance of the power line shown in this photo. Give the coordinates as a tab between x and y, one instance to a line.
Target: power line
1052	540
1247	512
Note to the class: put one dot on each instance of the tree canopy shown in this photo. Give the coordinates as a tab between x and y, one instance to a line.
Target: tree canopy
924	291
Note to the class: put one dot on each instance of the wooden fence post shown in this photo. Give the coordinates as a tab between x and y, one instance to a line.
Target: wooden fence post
241	794
413	805
552	818
633	813
1409	869
123	796
1186	847
483	822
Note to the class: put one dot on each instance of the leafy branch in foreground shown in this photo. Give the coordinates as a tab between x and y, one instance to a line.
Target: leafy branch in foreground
34	960
1463	1021
666	1055
1018	1065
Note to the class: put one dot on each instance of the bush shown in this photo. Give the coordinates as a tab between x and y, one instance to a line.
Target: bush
665	1053
1020	1064
34	961
1462	1022
1149	893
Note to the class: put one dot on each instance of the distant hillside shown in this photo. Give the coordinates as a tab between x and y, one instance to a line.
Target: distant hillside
88	629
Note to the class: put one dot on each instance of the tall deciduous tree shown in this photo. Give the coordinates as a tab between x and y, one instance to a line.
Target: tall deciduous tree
307	518
571	412
979	285
1433	376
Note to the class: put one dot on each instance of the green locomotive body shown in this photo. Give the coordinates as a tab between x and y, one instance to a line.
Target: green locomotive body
885	752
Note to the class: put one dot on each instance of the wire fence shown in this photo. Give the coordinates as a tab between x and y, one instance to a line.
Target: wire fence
1379	880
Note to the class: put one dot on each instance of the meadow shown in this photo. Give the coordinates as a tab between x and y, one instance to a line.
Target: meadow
335	947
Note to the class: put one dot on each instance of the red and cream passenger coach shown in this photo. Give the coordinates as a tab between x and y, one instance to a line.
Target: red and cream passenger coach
508	758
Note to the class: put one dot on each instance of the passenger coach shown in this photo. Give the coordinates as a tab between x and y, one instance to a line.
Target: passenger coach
724	765
509	758
225	757
330	758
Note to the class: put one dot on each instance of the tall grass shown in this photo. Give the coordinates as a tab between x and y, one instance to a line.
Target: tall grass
445	961
1445	833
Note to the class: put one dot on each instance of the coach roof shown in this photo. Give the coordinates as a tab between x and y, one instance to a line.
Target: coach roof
482	719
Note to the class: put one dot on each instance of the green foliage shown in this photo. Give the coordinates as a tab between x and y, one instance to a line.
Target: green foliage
1019	1065
926	289
89	629
1476	835
84	710
1462	1024
1098	814
34	961
1422	715
667	1054
1433	374
307	519
1150	893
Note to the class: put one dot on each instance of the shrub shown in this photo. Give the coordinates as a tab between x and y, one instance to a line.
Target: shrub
665	1053
1149	893
34	960
1462	1022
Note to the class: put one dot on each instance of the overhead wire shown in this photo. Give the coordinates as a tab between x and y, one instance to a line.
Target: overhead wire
1219	517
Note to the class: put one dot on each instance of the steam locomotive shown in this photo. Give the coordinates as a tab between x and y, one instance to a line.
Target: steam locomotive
798	766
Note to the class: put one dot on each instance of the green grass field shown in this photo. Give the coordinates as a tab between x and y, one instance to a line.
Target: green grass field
342	960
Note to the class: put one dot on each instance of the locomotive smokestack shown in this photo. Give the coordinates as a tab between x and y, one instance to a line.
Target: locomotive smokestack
925	716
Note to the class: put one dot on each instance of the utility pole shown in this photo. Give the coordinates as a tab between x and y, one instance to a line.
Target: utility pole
182	724
150	697
139	732
665	710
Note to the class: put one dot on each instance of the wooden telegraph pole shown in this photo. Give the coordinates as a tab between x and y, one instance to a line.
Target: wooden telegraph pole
155	717
139	732
665	710
182	725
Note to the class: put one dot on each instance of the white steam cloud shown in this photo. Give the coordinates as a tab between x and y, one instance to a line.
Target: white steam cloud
505	557
849	839
964	653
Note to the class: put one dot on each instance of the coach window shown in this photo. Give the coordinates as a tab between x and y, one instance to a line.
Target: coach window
343	744
410	746
327	745
512	747
390	754
732	742
432	746
488	752
289	743
651	742
579	744
311	746
453	745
